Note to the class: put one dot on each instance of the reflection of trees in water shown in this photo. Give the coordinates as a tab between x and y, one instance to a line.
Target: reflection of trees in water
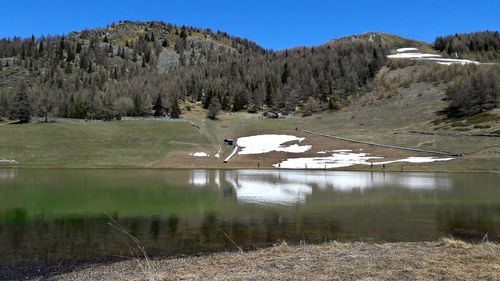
470	224
154	228
172	223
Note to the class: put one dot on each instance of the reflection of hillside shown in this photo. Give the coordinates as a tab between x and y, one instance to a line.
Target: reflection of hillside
6	174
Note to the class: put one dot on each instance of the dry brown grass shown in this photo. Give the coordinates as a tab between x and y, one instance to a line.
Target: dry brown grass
443	260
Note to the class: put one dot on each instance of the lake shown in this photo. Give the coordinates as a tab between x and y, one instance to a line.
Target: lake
55	219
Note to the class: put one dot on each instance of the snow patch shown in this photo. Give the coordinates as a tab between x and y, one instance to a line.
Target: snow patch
267	143
346	159
337	160
9	161
411	54
415	160
338	150
402	50
199	154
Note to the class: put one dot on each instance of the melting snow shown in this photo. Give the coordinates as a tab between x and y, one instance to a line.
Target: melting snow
402	50
267	143
199	154
338	150
346	159
337	160
415	160
410	53
9	161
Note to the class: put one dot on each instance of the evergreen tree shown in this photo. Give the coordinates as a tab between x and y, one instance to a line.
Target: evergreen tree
183	34
4	106
175	110
21	108
158	107
285	74
78	47
213	108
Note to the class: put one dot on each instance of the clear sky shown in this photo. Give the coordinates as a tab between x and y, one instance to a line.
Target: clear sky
272	24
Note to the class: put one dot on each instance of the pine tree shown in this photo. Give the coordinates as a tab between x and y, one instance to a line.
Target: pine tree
21	108
158	107
285	74
175	110
4	105
213	108
183	34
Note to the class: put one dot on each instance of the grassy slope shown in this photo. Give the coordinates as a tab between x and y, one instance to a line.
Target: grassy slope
111	144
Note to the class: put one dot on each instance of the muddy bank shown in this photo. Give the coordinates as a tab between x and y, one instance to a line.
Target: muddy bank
443	260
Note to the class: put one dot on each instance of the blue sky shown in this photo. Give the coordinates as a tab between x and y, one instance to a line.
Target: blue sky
272	24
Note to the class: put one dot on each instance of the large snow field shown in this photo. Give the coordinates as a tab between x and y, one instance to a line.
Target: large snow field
347	159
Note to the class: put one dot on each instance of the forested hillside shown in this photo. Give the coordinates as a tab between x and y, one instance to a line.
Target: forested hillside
483	46
133	68
150	68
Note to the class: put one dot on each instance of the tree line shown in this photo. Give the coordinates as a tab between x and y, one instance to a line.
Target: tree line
100	74
153	68
484	46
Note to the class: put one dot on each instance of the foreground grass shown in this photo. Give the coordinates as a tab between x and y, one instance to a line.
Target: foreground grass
443	260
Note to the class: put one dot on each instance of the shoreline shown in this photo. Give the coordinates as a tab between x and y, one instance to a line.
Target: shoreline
387	169
447	258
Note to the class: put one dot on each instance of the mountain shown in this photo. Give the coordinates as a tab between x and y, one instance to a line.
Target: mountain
149	68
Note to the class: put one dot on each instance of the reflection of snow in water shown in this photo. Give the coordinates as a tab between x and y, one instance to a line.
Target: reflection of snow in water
217	178
354	180
345	159
6	174
292	187
276	193
199	178
267	143
252	188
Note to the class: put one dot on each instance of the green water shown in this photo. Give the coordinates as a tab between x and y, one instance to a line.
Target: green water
50	217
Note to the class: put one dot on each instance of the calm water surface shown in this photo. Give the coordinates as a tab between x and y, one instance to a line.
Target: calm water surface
51	217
